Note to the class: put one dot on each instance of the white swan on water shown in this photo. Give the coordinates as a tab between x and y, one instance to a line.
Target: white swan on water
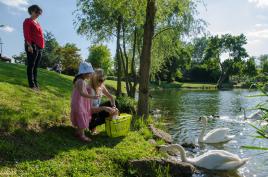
219	135
256	115
211	160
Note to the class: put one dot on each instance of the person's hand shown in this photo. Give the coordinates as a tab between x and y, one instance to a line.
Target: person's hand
116	111
30	49
109	110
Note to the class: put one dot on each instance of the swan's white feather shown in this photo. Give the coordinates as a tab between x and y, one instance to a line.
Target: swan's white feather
217	160
211	160
219	135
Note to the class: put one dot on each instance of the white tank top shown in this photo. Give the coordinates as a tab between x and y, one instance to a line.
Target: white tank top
96	102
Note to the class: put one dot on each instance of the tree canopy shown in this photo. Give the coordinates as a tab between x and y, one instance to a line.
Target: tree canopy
100	57
50	53
227	50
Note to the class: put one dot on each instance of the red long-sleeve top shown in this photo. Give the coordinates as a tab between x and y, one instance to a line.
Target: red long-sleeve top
33	33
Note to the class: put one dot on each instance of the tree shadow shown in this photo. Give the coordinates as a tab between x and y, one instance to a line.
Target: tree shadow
28	145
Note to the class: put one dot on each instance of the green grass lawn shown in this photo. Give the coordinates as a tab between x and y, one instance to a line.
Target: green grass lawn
186	85
198	85
113	84
36	138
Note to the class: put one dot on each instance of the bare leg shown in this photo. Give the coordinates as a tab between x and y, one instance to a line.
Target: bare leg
81	135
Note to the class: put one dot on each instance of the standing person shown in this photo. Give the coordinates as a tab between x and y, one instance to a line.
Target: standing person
34	43
100	111
81	101
59	67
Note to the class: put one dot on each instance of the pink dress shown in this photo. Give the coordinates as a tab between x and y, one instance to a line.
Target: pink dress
80	108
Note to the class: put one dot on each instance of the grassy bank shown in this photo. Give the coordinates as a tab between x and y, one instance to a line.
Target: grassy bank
37	139
113	85
186	85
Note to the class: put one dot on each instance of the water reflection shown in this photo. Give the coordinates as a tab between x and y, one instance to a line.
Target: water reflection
183	108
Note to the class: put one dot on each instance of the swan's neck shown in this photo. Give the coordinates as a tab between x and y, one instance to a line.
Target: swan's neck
201	136
183	154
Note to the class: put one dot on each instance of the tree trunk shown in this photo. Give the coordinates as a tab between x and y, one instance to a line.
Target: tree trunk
223	76
118	58
145	59
220	80
133	68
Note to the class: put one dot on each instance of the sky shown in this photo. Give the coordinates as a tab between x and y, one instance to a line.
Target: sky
223	16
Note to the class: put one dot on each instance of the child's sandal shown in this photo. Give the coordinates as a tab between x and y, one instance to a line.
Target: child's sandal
94	132
84	138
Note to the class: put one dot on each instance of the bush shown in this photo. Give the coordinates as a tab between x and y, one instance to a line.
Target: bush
126	105
179	75
100	57
70	71
203	74
262	78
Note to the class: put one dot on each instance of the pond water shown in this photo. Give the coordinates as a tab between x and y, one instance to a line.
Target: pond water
181	110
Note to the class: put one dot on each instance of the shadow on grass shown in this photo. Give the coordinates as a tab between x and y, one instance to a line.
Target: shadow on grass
28	145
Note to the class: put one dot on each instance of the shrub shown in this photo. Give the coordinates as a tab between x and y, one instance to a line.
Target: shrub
262	78
127	105
179	75
201	73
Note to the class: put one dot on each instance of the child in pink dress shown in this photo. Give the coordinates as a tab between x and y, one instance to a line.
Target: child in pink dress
81	103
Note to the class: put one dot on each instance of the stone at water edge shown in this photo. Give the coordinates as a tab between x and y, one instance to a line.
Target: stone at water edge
149	167
161	134
152	141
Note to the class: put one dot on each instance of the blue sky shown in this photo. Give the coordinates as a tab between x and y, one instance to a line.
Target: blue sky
224	16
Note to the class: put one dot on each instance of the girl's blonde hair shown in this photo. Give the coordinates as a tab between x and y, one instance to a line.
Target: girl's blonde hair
97	76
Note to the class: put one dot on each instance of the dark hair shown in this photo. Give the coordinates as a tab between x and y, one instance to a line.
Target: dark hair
77	77
34	8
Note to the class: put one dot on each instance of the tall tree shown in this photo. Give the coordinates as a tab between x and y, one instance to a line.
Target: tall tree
232	47
145	60
176	21
250	68
177	64
70	58
50	56
118	57
264	63
199	48
100	57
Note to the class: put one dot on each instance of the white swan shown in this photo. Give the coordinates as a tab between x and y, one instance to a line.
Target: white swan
211	160
256	115
219	135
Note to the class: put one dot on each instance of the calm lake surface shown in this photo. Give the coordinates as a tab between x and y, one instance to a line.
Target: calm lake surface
182	109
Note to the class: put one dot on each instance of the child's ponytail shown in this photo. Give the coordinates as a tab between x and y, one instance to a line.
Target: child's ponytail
77	77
